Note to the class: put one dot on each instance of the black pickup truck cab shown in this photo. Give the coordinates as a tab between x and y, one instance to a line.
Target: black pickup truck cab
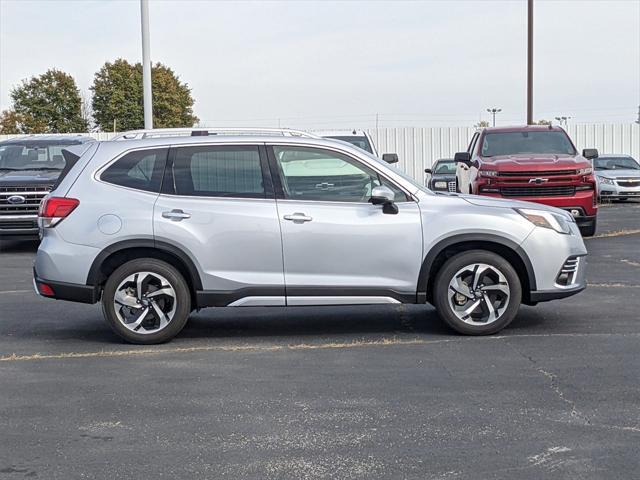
29	168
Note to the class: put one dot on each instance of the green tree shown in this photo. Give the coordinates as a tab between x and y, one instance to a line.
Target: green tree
117	96
544	122
482	124
49	103
10	122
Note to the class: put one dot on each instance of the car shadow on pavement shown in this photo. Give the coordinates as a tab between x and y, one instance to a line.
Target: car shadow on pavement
314	321
13	246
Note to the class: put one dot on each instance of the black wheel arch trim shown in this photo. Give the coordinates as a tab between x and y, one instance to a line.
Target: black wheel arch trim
423	280
93	277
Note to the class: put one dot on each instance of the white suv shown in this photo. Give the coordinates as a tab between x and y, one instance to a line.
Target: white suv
159	226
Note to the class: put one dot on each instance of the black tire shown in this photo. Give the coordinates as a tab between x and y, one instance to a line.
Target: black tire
442	291
589	230
182	301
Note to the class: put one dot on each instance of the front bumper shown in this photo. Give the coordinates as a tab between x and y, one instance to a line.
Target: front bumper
582	201
548	295
617	191
559	263
18	227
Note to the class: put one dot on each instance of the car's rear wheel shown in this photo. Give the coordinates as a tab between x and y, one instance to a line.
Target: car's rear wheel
477	292
146	301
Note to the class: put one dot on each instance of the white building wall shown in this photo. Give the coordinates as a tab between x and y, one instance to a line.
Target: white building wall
419	147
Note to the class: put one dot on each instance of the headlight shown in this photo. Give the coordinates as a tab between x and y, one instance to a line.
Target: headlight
489	173
608	181
440	185
554	221
585	171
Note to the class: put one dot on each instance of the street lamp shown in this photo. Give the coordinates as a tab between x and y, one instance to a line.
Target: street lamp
146	65
493	112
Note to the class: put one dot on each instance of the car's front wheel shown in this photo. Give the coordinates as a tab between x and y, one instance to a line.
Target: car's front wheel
477	292
146	301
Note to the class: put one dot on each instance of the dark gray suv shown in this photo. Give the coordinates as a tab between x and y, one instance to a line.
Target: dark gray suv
29	169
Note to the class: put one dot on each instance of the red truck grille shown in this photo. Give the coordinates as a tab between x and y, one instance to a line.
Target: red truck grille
550	173
557	191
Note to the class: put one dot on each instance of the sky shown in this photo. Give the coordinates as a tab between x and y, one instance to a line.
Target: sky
342	64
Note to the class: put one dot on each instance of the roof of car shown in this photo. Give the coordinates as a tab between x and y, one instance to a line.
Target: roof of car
352	132
127	144
42	140
522	128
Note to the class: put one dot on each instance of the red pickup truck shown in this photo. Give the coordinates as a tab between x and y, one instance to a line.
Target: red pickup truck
533	163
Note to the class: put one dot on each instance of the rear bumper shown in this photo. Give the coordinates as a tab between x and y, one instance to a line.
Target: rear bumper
65	291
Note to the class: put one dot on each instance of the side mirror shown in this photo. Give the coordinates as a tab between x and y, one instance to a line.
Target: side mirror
390	157
462	157
590	153
384	196
428	170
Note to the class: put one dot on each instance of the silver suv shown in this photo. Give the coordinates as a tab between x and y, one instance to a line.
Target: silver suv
159	226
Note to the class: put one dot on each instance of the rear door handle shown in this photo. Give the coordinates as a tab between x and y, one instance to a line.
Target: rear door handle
176	215
298	218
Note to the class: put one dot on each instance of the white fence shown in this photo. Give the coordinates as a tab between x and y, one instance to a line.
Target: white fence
419	147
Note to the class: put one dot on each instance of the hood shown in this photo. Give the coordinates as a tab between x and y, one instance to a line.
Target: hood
621	173
449	177
14	177
481	201
535	162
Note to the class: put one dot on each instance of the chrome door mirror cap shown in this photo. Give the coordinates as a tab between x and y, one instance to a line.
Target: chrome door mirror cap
382	194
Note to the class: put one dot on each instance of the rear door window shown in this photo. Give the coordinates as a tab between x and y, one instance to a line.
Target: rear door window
140	170
218	171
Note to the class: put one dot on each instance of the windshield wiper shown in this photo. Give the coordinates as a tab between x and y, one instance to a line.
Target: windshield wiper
45	169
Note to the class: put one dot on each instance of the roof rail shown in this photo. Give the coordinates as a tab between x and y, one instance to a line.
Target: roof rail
197	132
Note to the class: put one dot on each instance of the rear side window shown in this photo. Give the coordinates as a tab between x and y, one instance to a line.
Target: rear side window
218	171
141	170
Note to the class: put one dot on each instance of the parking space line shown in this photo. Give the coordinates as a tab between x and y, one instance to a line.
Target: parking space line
288	347
15	291
612	285
617	233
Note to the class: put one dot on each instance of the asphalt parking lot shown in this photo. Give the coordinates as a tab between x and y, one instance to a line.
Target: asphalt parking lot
374	392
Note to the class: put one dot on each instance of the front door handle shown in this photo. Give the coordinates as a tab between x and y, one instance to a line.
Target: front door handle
176	215
298	218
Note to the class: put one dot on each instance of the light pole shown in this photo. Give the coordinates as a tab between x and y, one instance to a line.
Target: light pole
146	66
530	62
493	112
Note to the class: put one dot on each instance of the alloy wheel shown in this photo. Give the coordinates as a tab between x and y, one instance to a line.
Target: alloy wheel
145	302
479	294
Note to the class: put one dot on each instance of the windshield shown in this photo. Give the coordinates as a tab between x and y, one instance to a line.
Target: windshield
360	142
32	157
615	163
520	143
445	168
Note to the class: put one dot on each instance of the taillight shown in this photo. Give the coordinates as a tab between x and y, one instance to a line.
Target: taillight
54	209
